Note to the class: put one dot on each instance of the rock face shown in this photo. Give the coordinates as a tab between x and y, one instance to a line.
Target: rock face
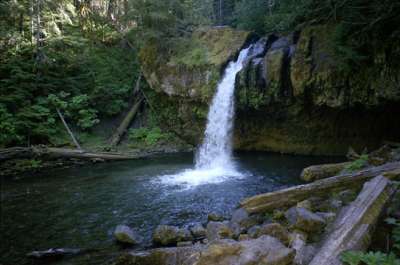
125	234
292	98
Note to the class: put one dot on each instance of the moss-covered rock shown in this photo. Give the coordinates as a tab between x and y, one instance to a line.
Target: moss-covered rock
193	70
292	98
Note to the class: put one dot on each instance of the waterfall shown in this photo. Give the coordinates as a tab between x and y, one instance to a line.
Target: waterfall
216	150
214	157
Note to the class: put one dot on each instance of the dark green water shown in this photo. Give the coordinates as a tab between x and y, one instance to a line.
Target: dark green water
80	207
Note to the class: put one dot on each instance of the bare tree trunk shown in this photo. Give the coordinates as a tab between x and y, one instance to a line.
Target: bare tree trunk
68	129
116	138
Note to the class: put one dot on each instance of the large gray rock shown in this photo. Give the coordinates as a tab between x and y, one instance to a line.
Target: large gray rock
215	217
264	250
304	252
170	235
198	231
218	230
304	220
275	230
243	220
124	234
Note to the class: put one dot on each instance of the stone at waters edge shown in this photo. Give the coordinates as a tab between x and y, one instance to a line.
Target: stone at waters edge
170	235
124	234
264	250
198	231
304	220
218	230
215	217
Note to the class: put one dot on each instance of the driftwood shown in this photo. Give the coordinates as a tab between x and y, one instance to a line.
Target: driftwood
290	196
48	152
116	138
316	172
352	230
54	253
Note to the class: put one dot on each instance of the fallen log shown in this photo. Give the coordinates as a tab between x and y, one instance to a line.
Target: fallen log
116	138
290	196
54	253
52	153
316	172
15	153
352	230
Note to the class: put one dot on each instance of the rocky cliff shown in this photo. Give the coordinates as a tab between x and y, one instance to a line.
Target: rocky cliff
293	98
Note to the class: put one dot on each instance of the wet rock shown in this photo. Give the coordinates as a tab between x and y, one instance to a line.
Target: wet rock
304	220
214	217
243	219
184	235
170	235
198	231
275	230
218	230
124	234
264	250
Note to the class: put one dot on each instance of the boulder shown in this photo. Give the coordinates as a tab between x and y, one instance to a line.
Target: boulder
215	217
264	250
243	219
198	231
304	252
124	234
275	230
218	230
170	235
304	220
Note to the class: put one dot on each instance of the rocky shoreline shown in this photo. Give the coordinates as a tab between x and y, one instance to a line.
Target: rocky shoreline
312	229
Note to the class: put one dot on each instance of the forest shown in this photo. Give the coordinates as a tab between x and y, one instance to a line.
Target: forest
79	56
236	132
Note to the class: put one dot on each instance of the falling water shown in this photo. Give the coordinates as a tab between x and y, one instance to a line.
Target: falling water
214	157
216	150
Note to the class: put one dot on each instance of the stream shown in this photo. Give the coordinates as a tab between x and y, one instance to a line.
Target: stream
80	207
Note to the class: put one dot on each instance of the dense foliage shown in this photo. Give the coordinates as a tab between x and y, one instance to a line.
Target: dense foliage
81	56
